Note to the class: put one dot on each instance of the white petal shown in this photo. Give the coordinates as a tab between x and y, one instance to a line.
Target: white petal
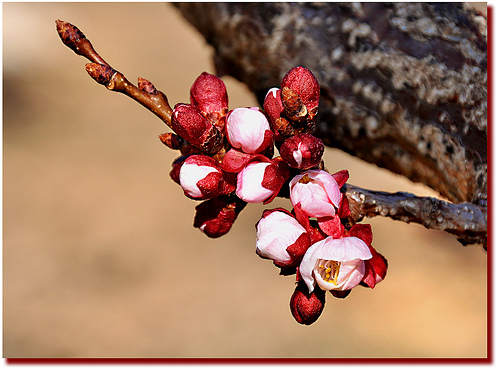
249	183
344	249
309	262
190	174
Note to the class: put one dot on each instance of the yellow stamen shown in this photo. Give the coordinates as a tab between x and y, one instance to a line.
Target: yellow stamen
305	179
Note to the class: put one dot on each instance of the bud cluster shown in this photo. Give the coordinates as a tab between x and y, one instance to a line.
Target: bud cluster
227	160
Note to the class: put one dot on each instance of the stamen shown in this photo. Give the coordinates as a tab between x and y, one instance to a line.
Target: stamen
305	179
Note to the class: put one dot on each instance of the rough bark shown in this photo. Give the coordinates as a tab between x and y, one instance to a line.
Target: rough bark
404	85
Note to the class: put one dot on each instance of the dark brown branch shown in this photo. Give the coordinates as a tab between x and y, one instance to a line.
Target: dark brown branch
146	94
465	220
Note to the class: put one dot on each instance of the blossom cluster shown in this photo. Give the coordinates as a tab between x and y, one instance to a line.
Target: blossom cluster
228	161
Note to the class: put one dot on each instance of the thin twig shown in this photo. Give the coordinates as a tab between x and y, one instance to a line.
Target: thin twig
146	94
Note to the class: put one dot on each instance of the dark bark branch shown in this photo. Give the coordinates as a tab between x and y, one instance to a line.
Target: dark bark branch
464	220
404	85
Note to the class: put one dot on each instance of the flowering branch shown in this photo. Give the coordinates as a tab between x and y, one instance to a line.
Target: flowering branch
465	220
104	74
227	161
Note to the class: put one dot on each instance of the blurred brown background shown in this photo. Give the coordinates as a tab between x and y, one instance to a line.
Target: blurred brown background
100	258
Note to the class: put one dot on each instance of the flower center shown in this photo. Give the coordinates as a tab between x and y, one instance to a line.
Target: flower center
329	270
305	179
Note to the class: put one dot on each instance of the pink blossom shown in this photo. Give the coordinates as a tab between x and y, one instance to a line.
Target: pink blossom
248	129
335	264
281	238
261	181
200	177
249	183
317	192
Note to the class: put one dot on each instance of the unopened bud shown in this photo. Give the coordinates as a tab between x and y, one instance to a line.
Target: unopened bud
248	129
306	307
302	151
216	216
100	72
209	93
302	81
146	86
189	123
201	177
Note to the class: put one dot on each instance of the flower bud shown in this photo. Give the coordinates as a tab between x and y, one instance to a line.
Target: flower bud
248	129
273	107
176	168
302	151
189	122
216	216
261	181
316	191
281	238
209	93
306	307
302	81
201	177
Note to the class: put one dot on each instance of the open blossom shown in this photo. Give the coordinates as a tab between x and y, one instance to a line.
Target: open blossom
248	129
201	177
335	264
281	238
317	192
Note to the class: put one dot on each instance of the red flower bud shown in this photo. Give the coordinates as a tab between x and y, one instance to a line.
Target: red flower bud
189	122
201	177
209	93
215	217
302	151
306	307
302	81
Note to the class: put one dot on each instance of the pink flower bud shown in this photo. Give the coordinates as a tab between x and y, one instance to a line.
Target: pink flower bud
201	177
261	181
248	129
209	93
335	264
306	307
216	216
302	81
316	191
281	238
302	151
249	183
190	124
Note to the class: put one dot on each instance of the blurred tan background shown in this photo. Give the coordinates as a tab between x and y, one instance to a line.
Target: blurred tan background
100	258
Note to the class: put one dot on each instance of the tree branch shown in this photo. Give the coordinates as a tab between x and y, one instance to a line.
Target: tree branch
465	220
